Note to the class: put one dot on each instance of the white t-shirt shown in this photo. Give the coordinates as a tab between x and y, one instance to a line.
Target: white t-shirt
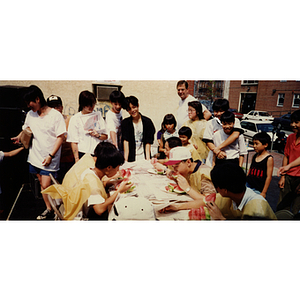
182	112
113	123
95	198
235	149
45	131
167	135
138	136
212	127
78	130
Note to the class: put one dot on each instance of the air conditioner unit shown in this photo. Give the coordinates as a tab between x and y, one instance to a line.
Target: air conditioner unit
103	92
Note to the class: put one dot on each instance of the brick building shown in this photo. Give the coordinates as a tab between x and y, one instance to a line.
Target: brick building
275	96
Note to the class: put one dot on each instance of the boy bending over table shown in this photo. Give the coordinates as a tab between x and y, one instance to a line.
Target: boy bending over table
235	200
83	189
192	176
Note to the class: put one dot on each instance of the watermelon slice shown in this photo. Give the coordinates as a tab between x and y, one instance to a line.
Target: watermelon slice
125	173
173	187
210	198
199	214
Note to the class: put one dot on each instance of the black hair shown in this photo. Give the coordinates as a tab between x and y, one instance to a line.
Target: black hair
32	93
54	101
198	107
263	137
295	116
187	131
174	141
229	176
169	119
131	100
117	96
220	104
86	98
227	117
181	82
107	155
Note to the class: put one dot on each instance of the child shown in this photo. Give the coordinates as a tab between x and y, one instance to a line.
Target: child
291	180
219	107
171	143
235	200
237	149
185	134
197	123
168	129
67	158
260	173
114	118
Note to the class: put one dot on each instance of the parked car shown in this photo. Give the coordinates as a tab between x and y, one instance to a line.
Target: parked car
258	115
284	121
236	113
252	127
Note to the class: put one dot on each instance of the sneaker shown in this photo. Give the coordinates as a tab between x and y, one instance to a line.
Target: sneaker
46	215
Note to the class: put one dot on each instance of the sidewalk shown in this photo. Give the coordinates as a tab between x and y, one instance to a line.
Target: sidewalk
273	191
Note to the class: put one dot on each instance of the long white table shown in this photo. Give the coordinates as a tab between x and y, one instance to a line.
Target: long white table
152	187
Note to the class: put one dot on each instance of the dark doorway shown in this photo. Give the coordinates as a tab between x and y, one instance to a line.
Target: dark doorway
248	101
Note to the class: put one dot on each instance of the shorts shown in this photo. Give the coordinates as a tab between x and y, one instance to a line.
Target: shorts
35	170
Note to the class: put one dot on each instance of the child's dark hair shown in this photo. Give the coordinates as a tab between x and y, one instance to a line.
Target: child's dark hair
86	98
227	117
32	93
174	142
220	105
295	116
187	131
198	107
130	100
229	176
117	96
168	119
54	101
107	155
263	137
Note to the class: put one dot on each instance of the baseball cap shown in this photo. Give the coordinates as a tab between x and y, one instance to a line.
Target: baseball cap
53	101
132	208
177	155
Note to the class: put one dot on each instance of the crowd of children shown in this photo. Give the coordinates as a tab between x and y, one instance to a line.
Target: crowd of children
205	153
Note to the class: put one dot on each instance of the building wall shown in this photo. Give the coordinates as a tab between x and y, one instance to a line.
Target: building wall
156	98
267	95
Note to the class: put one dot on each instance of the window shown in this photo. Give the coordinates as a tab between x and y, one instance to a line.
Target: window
280	99
296	100
250	82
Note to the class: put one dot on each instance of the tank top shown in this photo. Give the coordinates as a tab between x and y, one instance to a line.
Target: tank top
258	173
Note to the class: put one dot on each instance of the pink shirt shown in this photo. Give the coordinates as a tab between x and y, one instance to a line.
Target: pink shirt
292	152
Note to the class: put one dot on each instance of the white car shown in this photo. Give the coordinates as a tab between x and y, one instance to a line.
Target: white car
252	127
258	115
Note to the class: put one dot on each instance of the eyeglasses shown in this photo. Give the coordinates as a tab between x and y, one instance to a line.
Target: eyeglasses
191	110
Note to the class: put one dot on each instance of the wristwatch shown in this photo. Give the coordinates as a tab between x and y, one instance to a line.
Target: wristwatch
188	189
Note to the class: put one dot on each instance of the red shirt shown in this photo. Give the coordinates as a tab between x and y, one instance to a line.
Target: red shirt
292	151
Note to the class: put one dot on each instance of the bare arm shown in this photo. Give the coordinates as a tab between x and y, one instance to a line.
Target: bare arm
281	182
206	114
74	147
13	152
126	150
113	136
282	170
235	135
270	166
148	151
241	160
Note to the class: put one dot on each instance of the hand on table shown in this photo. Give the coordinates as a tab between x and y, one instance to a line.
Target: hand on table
124	186
170	208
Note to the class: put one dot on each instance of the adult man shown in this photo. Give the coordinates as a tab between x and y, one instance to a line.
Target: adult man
182	112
